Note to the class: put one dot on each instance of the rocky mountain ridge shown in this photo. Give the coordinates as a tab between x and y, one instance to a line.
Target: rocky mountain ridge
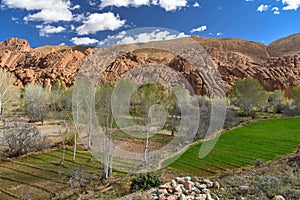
276	66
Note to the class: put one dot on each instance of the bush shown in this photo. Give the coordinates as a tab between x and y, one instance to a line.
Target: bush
268	186
145	182
19	138
291	194
258	163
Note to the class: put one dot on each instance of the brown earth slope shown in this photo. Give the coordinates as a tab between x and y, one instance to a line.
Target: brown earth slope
276	66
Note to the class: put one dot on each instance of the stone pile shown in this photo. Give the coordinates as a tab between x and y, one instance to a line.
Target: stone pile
186	188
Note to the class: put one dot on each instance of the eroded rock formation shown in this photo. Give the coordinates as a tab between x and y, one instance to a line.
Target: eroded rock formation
276	66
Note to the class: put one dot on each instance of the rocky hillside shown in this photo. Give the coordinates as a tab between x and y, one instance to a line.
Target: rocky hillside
41	65
276	66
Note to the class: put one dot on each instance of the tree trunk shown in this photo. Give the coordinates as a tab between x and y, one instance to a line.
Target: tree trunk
63	153
147	144
1	111
90	130
111	148
106	148
75	145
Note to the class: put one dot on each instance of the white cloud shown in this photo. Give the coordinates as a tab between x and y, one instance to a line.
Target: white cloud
196	5
45	30
84	41
79	17
200	29
275	10
123	3
100	22
262	8
171	5
216	34
48	10
75	7
155	35
50	15
168	5
155	2
14	18
92	2
291	4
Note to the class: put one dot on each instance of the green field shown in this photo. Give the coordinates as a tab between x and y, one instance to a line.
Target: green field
39	176
242	146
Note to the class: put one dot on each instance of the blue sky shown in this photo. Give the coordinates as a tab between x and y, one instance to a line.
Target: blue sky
95	22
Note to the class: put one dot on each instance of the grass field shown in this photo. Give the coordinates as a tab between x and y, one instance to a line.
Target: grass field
242	146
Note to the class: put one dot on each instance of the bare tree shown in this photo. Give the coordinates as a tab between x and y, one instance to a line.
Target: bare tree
7	89
104	110
151	98
36	102
20	137
65	127
83	104
76	110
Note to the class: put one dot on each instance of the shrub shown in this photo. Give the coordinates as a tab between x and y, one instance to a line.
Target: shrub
145	182
20	137
291	194
258	163
266	186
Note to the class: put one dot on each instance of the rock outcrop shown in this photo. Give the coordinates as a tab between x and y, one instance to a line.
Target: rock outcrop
38	65
276	66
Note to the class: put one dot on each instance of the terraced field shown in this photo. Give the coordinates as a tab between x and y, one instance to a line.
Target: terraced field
242	146
40	176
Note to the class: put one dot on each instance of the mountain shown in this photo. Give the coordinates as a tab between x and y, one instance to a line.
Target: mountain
286	46
276	66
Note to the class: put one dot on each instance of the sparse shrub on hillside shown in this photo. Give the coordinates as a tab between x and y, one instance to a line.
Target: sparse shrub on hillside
290	111
266	186
20	138
291	194
145	182
122	188
258	163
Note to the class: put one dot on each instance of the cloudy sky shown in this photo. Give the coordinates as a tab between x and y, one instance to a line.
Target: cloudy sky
98	22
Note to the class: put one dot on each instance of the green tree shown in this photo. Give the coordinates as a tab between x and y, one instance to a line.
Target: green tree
57	93
295	94
276	99
248	94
